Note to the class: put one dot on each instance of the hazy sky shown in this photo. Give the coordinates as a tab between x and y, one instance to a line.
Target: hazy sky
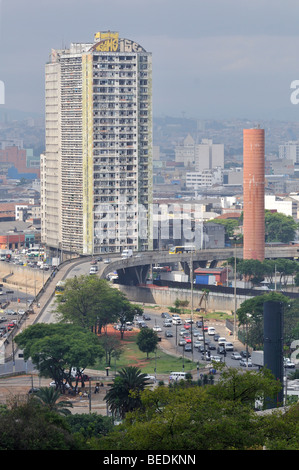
211	58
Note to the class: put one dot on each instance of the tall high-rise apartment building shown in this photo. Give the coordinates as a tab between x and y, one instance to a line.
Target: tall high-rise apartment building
96	172
254	194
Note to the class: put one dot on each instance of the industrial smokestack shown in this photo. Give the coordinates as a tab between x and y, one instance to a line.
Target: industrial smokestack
254	194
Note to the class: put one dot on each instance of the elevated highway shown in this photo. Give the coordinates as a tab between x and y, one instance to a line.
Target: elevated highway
134	270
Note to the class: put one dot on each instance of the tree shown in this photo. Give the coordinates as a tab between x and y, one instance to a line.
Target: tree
89	425
124	393
49	397
90	302
216	417
126	314
254	322
279	227
147	340
31	426
112	347
55	348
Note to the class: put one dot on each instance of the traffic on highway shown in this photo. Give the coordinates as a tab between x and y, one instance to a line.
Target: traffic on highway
199	341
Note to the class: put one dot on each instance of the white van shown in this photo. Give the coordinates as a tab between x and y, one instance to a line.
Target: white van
211	331
127	253
93	270
221	341
177	376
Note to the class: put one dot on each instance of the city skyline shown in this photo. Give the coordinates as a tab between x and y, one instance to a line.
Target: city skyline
220	60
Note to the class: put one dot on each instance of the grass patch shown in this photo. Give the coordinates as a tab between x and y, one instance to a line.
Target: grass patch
132	356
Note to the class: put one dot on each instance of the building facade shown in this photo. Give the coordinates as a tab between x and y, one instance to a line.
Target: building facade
96	172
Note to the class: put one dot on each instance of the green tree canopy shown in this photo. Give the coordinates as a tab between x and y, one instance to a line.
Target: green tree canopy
188	417
89	301
279	227
124	393
147	340
55	348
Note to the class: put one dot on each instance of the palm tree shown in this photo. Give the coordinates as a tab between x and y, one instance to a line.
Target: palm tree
48	396
124	394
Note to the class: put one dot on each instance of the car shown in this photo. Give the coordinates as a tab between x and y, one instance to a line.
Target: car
221	340
165	315
236	356
182	342
175	315
100	258
167	323
197	343
150	378
157	328
146	317
216	336
288	363
245	354
199	323
189	320
220	350
33	390
188	339
142	324
53	384
245	363
216	358
187	326
168	334
107	260
196	332
201	348
176	321
184	333
228	346
21	311
211	346
9	311
200	337
187	347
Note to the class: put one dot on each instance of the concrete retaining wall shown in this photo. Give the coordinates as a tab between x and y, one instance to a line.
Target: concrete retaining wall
167	296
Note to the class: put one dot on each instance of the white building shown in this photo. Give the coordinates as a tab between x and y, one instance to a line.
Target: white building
96	173
197	179
289	151
287	206
209	155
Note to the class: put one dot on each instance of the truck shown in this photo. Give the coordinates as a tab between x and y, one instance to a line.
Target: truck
257	358
127	253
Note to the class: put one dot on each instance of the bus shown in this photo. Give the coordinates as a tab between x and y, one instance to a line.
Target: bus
59	289
181	249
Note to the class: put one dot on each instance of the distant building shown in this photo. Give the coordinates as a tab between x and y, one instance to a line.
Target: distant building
289	151
285	205
208	155
204	178
203	156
